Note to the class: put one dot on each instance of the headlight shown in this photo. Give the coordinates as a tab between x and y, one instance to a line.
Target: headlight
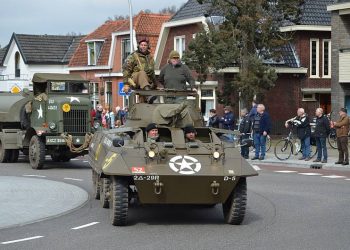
52	125
216	155
151	154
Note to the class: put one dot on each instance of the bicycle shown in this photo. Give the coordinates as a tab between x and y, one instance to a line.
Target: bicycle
332	137
285	147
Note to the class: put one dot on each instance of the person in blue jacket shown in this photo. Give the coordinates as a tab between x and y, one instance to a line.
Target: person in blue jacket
228	120
261	128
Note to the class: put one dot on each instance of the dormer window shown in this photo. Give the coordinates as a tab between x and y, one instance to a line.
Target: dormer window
94	50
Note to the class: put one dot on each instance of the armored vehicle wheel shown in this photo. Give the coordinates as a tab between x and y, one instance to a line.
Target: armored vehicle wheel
96	185
13	157
234	207
119	202
4	153
104	192
65	158
36	152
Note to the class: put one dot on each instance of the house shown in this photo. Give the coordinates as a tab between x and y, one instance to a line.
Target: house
100	55
340	12
28	54
304	74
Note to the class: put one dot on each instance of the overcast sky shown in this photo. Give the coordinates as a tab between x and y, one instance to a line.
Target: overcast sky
54	17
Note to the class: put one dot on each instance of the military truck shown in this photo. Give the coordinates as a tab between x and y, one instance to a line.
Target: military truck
53	119
126	167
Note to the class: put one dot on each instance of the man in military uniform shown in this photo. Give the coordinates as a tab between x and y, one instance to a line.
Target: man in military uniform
190	133
152	133
138	69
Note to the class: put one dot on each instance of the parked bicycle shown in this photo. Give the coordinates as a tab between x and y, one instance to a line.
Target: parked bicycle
285	147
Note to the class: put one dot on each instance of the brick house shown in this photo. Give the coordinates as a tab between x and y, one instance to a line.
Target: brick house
100	54
27	54
304	74
340	12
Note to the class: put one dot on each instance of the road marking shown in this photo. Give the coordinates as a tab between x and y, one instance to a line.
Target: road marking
310	174
256	168
85	161
286	171
333	176
34	175
20	240
73	179
86	225
347	179
75	159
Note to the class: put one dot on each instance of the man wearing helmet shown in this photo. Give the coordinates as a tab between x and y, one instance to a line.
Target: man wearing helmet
138	69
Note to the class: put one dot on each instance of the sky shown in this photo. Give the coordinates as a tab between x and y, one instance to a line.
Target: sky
52	17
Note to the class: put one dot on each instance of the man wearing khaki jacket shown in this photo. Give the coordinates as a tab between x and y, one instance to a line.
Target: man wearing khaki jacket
342	128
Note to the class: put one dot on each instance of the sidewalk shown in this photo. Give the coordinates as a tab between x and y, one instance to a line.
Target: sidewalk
294	162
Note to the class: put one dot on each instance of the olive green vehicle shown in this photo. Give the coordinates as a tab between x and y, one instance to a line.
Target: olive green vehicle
53	119
126	167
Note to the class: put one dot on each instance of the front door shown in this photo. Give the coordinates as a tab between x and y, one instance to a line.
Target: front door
325	103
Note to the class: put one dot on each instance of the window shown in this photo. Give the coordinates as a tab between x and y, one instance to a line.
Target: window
125	49
314	58
179	44
94	91
309	97
108	93
17	63
326	58
94	50
207	101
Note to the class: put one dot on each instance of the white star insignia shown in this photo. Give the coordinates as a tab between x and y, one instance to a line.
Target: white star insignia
185	165
40	112
72	99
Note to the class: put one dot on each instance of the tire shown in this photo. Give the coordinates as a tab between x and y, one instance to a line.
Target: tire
313	151
4	153
235	206
296	146
13	157
96	185
283	149
36	152
119	202
332	140
268	143
104	192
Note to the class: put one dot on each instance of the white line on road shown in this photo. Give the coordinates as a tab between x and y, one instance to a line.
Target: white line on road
34	175
73	179
20	240
347	179
85	161
286	171
333	176
310	174
86	225
256	168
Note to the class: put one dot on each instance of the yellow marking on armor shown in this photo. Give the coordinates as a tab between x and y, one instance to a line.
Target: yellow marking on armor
109	160
98	152
66	107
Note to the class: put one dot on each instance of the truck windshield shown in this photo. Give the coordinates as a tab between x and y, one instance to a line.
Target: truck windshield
69	87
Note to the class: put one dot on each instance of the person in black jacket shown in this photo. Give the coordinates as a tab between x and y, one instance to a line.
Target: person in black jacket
302	122
261	128
322	130
245	128
213	119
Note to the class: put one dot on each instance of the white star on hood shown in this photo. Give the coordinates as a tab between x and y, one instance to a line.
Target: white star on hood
72	99
40	112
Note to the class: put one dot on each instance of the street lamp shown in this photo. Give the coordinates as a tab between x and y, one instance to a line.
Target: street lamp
131	27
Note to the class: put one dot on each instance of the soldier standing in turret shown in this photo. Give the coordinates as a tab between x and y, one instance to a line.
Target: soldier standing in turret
138	69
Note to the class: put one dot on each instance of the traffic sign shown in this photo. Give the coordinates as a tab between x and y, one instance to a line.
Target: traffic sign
120	89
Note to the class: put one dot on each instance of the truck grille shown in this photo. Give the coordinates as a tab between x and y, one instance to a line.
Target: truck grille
76	121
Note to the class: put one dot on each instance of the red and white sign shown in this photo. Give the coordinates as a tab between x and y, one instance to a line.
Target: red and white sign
138	170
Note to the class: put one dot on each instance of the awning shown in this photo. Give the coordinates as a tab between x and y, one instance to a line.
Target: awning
316	90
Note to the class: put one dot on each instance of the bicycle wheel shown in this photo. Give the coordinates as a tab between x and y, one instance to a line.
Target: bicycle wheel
268	143
283	149
313	151
296	147
332	140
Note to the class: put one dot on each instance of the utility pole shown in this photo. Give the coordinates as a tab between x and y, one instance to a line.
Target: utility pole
131	28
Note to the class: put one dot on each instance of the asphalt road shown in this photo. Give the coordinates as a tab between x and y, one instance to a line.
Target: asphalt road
298	209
